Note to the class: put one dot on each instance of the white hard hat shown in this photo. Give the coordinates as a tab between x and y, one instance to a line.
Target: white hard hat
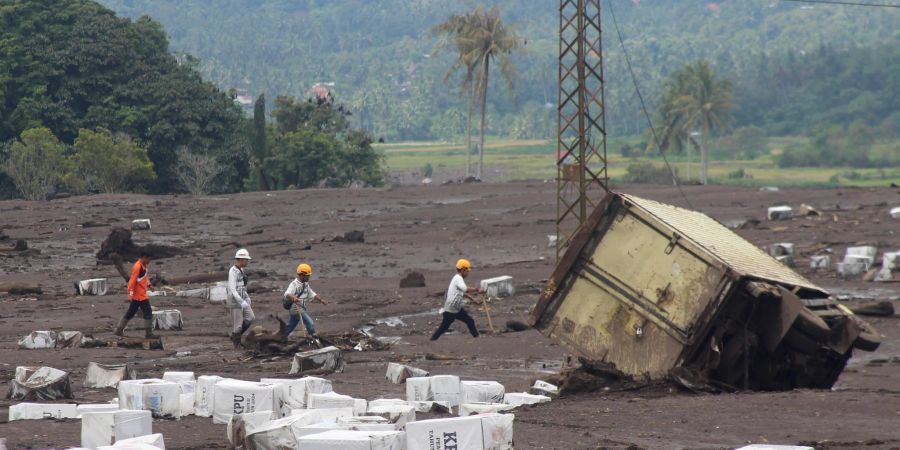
242	254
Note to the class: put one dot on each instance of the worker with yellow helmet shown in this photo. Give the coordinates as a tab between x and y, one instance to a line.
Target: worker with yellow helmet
457	293
297	298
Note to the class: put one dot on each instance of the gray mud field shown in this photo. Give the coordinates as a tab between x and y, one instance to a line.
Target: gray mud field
503	229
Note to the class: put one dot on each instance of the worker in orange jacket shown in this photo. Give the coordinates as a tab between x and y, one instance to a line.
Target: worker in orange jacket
137	297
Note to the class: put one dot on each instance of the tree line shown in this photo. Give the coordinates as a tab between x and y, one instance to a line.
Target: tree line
90	102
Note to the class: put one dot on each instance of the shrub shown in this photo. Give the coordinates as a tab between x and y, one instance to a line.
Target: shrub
37	163
646	172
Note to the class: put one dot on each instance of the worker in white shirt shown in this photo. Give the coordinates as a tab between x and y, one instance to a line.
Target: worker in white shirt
238	301
457	294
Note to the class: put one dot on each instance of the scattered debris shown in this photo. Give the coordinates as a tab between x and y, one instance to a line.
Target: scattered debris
38	340
819	261
326	359
780	213
44	383
412	279
38	411
552	239
119	243
92	224
355	236
768	189
69	339
389	321
882	309
764	326
167	319
398	373
513	326
431	406
106	427
107	376
93	286
544	388
498	287
140	224
851	269
895	212
782	249
806	210
20	288
146	442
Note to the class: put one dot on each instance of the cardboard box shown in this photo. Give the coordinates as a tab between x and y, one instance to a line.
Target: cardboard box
396	414
203	395
353	440
398	373
328	358
418	389
480	432
294	393
446	388
524	398
162	398
37	411
240	397
331	400
105	428
481	392
468	409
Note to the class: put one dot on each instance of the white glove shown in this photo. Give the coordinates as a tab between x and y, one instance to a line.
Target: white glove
247	301
245	304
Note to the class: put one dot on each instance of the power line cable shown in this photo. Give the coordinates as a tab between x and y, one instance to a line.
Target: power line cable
637	89
833	2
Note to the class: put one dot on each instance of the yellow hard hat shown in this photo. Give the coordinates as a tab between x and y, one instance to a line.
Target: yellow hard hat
463	264
304	269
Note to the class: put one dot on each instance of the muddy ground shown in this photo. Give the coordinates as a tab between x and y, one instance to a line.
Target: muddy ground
503	228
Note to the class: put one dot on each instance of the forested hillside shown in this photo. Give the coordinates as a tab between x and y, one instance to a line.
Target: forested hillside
793	65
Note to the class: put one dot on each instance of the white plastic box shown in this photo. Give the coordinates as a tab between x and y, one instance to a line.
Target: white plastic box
294	393
105	428
37	411
481	392
354	440
203	395
241	397
498	287
162	398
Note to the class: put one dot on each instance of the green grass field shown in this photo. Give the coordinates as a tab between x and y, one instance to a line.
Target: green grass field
508	160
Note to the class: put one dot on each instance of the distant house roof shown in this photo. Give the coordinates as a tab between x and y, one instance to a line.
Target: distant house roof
244	100
320	91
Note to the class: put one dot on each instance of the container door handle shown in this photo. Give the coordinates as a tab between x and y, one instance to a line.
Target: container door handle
672	243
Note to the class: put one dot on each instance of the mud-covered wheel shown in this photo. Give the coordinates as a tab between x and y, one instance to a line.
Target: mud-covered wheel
867	341
813	325
801	342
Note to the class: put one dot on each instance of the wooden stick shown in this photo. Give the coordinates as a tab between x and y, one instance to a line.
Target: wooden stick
487	312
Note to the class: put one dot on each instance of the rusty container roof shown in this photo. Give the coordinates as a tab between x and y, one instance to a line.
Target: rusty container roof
726	245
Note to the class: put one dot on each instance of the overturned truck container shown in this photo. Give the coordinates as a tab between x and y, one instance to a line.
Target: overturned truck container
651	291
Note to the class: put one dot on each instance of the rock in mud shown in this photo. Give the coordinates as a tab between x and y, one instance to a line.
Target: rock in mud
413	279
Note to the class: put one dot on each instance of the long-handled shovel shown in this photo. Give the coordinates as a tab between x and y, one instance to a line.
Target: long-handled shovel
487	312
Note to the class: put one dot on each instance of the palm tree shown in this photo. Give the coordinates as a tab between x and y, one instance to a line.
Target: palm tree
481	37
696	98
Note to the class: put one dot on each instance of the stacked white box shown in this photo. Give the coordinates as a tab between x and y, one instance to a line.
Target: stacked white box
431	406
446	388
241	397
295	392
203	395
162	398
418	389
481	392
153	440
386	401
353	440
105	428
282	433
468	409
481	432
37	411
97	407
187	383
396	414
331	400
323	414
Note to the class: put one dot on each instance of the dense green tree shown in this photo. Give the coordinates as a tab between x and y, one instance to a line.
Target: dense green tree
37	163
68	65
109	163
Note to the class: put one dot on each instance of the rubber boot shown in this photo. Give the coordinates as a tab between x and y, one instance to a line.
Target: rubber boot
245	325
236	340
120	328
148	324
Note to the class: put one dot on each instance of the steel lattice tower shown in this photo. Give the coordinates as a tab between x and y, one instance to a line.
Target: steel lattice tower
582	179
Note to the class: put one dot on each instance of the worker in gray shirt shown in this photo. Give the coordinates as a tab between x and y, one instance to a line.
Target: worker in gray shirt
238	301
